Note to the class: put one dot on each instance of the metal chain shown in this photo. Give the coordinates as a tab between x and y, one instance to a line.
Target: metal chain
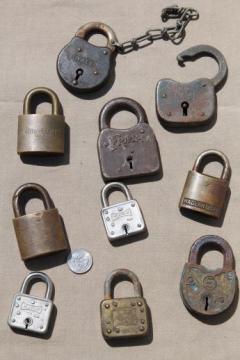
176	33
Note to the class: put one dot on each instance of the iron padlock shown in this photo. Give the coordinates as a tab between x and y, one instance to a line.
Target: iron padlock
31	313
39	233
204	291
204	193
41	133
123	317
193	103
83	66
123	219
126	153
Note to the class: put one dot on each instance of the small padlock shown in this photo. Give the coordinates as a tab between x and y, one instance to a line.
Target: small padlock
204	291
41	134
123	317
39	233
31	313
126	153
83	66
123	219
193	103
204	193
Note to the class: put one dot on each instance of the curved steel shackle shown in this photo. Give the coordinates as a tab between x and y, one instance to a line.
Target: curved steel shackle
114	185
198	51
56	108
38	276
108	288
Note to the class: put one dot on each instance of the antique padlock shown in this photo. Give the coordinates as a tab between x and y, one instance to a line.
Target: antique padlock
126	153
123	317
204	291
39	233
83	66
203	193
31	313
193	103
123	219
41	134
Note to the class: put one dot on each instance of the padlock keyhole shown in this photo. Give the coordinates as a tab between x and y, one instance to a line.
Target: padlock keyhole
206	303
125	228
28	321
185	106
130	162
79	73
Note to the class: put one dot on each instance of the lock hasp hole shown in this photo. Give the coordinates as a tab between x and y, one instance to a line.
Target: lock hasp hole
116	196
123	120
212	259
97	39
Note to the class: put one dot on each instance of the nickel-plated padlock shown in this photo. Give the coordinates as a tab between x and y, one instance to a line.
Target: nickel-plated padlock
123	219
124	317
41	133
204	291
126	153
193	103
204	193
31	313
39	233
83	66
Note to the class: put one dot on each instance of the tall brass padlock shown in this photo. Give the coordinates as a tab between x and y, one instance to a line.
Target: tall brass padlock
41	134
126	153
204	193
39	233
123	317
204	291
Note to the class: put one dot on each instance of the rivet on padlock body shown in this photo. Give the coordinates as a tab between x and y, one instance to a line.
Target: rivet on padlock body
31	313
123	317
126	153
83	66
204	193
41	134
122	219
204	291
39	233
193	103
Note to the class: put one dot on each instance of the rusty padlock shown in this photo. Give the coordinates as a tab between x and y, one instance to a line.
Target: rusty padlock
123	317
193	103
204	193
41	133
39	233
204	291
126	153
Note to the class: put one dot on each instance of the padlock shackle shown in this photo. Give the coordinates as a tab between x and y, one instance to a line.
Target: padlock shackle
96	27
115	105
16	200
218	156
114	185
119	275
36	276
199	51
56	107
211	242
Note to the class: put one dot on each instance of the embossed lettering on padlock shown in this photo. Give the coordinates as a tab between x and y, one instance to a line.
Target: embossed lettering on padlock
41	133
39	233
123	317
204	193
193	103
83	66
131	152
204	291
31	313
122	219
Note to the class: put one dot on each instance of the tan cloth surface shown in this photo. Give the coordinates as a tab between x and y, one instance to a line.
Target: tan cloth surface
32	34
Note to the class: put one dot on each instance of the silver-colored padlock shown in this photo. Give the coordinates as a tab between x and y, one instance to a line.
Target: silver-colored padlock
122	219
31	313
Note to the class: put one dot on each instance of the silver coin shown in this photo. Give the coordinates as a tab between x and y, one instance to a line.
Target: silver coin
80	261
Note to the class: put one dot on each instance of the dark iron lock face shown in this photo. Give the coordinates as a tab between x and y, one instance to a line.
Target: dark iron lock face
126	153
193	103
83	66
204	291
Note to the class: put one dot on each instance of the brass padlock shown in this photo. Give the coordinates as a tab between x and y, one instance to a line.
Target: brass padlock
204	291
39	233
41	134
123	317
204	193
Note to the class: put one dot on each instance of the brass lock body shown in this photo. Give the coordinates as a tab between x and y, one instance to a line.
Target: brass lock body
208	292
